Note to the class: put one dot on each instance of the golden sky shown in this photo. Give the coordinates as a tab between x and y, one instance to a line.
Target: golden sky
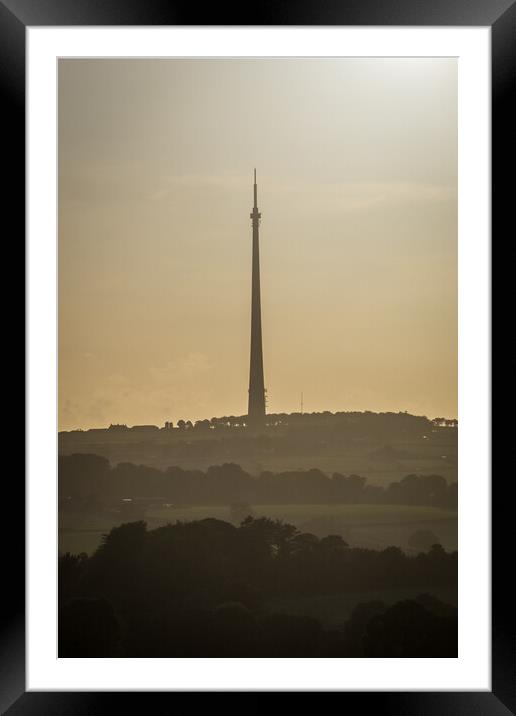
357	185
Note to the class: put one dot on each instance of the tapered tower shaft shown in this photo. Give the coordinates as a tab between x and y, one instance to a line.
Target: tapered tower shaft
256	409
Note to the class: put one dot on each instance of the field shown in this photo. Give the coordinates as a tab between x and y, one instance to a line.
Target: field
435	453
373	526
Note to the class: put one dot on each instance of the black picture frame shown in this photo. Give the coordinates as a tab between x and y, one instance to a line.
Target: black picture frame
15	17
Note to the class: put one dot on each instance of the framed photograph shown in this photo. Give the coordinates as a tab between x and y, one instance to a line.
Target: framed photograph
258	360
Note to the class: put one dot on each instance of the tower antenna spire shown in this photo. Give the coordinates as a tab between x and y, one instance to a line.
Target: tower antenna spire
256	408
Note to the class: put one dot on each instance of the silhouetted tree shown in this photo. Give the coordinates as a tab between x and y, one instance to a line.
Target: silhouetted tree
407	629
422	540
205	588
88	628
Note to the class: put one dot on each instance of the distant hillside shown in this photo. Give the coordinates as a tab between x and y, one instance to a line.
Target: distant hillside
383	447
358	422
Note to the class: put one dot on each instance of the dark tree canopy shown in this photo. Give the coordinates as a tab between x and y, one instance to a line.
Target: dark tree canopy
89	479
203	589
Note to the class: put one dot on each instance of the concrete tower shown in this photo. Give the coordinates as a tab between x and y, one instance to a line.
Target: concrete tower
256	409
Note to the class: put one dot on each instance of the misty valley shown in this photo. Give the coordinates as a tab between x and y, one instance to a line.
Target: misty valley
322	535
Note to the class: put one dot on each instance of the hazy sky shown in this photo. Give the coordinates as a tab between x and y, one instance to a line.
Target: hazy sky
357	175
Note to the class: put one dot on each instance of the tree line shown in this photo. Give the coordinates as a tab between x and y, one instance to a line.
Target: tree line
87	479
352	422
206	588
